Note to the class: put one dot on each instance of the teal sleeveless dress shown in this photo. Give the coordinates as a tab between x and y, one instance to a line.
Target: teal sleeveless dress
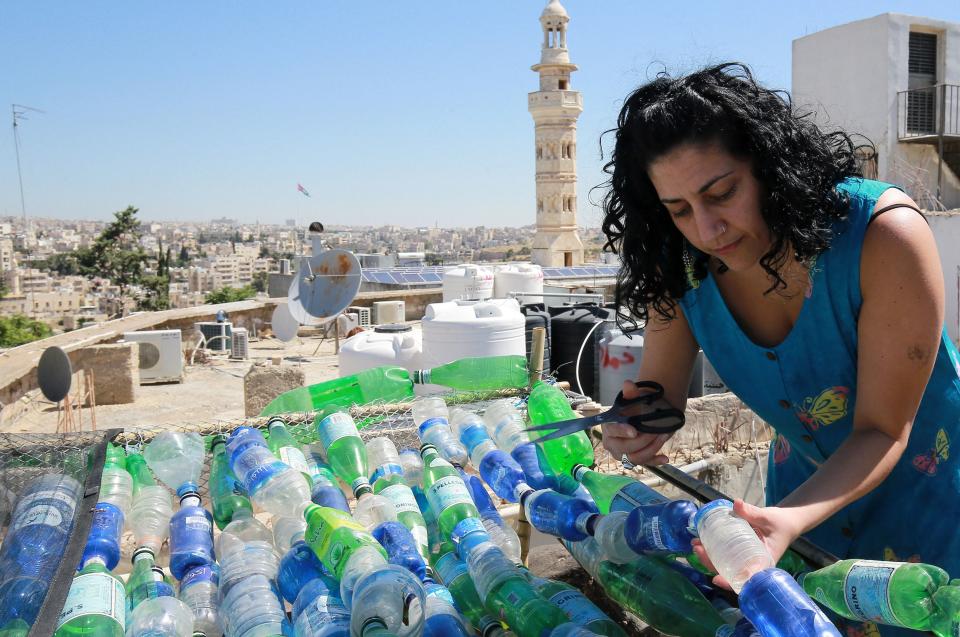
806	389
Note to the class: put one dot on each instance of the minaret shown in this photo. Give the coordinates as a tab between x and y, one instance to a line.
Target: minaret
555	109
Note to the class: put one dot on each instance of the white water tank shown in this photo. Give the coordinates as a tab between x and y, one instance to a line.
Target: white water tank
618	360
520	277
397	345
463	329
386	312
467	282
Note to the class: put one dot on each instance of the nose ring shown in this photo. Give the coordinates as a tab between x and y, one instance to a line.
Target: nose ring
721	228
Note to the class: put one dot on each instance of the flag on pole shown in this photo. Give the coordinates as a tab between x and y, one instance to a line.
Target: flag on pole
303	190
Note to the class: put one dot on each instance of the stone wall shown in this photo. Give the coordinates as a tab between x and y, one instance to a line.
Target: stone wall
263	383
116	371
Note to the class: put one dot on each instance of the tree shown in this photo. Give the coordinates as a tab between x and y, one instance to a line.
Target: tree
3	285
18	329
116	254
156	294
229	295
63	263
260	281
184	259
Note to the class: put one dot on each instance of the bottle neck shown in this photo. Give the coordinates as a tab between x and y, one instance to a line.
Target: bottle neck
190	499
587	522
94	559
579	472
143	553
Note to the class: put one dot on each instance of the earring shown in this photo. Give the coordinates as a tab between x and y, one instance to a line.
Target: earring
688	263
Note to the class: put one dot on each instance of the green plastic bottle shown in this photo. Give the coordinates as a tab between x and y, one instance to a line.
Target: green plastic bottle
388	384
452	572
892	593
146	580
577	607
945	619
96	605
116	455
660	596
284	446
346	454
478	374
792	563
15	628
615	493
138	469
334	535
446	492
548	404
226	493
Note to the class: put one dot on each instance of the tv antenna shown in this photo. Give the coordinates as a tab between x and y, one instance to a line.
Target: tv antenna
20	113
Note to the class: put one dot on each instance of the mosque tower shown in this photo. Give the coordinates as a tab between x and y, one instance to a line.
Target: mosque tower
555	109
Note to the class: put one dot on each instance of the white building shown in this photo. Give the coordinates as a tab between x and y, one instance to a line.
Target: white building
895	79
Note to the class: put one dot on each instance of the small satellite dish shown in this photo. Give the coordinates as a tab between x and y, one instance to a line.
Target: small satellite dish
284	325
54	374
325	284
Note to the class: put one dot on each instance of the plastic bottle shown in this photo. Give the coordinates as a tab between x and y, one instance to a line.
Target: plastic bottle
176	458
733	546
146	581
556	514
391	596
608	531
577	607
661	528
892	593
226	493
388	384
401	547
945	619
501	533
412	465
334	535
285	447
96	603
388	481
252	605
431	417
793	563
547	404
343	448
319	611
616	493
287	531
103	542
776	605
116	484
446	493
571	630
441	618
152	506
452	571
191	534
326	490
244	528
160	617
478	373
496	467
505	425
272	485
472	434
200	592
659	596
255	557
298	567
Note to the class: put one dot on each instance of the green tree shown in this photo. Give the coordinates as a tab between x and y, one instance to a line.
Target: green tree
3	285
116	254
229	294
156	293
260	281
509	253
18	329
63	263
184	259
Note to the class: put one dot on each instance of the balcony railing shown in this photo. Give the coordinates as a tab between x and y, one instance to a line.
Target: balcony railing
928	113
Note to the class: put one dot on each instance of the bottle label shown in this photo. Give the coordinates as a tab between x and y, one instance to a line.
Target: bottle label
577	607
633	495
95	594
450	567
334	427
197	522
447	492
866	591
438	591
49	494
430	422
385	470
261	474
656	537
440	462
41	514
402	498
294	458
197	575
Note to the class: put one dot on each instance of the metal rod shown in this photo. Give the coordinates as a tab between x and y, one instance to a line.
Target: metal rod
809	551
571	295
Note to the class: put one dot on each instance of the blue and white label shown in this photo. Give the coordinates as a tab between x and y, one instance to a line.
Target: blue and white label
256	478
577	607
402	498
334	427
656	537
198	575
447	492
95	594
41	514
386	469
293	457
430	422
197	522
633	495
473	436
866	591
450	567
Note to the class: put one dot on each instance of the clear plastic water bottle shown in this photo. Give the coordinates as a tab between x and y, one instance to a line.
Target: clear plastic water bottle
571	630
255	558
577	607
431	416
453	573
556	514
191	534
391	596
272	485
733	546
661	528
401	547
326	490
160	617
505	425
501	533
176	458
319	611
251	608
388	480
441	618
298	567
608	531
103	542
287	531
244	528
116	484
472	433
150	516
200	591
412	465
777	606
372	510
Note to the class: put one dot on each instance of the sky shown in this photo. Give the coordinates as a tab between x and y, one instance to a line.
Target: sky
405	113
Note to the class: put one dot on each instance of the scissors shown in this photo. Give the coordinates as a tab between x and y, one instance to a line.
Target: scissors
669	420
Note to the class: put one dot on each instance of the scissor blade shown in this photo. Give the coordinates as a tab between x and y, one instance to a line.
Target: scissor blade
562	428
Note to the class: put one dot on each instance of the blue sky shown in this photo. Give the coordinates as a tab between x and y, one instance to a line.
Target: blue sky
410	113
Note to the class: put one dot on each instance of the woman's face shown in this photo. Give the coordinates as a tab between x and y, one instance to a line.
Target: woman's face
714	201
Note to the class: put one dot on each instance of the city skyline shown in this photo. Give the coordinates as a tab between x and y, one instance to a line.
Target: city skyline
411	116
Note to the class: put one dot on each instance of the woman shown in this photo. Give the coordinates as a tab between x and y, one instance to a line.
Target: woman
818	297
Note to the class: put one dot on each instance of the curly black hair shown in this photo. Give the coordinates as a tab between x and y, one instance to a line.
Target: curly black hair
797	165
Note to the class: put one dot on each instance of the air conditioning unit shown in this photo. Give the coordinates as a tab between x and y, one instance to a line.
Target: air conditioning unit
161	358
387	312
216	334
363	314
240	344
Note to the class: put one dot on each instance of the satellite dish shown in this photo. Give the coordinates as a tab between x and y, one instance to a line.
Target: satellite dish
325	284
54	374
284	325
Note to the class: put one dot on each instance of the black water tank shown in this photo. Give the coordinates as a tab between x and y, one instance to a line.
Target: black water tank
537	316
570	327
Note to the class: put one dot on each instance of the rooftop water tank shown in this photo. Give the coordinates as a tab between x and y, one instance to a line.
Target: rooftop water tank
463	329
520	277
575	332
397	345
467	282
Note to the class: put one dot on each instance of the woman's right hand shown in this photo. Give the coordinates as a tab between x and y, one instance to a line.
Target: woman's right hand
621	438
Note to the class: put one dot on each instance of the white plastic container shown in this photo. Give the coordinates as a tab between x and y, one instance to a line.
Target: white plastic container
521	277
387	312
618	360
398	345
463	329
735	549
467	282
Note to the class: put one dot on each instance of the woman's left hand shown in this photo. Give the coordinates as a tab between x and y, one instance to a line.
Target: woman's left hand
777	527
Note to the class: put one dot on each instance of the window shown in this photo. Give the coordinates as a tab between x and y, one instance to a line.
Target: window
564	84
921	82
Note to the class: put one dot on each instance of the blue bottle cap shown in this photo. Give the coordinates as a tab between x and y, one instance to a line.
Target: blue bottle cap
710	506
186	488
464	528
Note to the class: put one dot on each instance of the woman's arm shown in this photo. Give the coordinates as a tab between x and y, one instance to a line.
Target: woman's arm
669	351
